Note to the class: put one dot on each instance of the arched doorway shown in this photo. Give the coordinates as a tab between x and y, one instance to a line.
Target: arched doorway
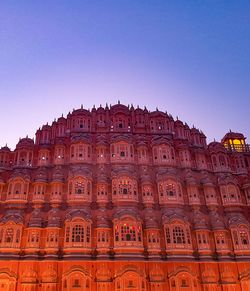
7	281
130	281
76	279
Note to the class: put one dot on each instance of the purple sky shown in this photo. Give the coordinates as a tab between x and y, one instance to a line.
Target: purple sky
191	58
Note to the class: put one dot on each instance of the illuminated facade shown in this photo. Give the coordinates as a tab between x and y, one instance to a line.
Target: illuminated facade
124	199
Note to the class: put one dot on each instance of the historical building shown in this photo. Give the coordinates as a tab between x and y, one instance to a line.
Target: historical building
120	198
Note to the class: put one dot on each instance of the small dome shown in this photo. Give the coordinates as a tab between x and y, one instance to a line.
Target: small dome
233	135
199	220
57	174
62	120
119	108
40	175
36	218
158	113
151	222
216	147
178	123
26	142
100	110
54	219
101	219
216	220
80	112
5	149
139	110
46	127
81	137
195	130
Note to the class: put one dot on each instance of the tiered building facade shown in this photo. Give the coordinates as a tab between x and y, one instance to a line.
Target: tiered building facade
124	199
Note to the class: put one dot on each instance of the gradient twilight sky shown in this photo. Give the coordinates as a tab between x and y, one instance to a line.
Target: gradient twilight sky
191	58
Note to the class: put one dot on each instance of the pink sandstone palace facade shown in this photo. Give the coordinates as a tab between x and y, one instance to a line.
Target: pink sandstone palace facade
120	198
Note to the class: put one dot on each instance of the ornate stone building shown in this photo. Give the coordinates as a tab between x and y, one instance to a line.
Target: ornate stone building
124	199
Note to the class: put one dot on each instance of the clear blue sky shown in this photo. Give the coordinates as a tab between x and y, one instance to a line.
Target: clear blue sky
191	58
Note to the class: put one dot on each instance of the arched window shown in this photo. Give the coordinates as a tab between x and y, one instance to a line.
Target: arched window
214	161
240	237
80	189
230	194
193	194
52	238
185	158
18	190
43	157
122	152
153	239
34	235
142	154
201	161
177	236
240	164
220	162
127	232
103	236
147	193
159	125
39	191
210	195
164	154
24	158
102	154
170	192
203	241
220	238
124	188
222	241
56	191
102	192
80	153
10	235
78	233
59	155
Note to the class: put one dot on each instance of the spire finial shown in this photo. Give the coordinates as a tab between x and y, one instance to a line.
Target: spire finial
81	106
